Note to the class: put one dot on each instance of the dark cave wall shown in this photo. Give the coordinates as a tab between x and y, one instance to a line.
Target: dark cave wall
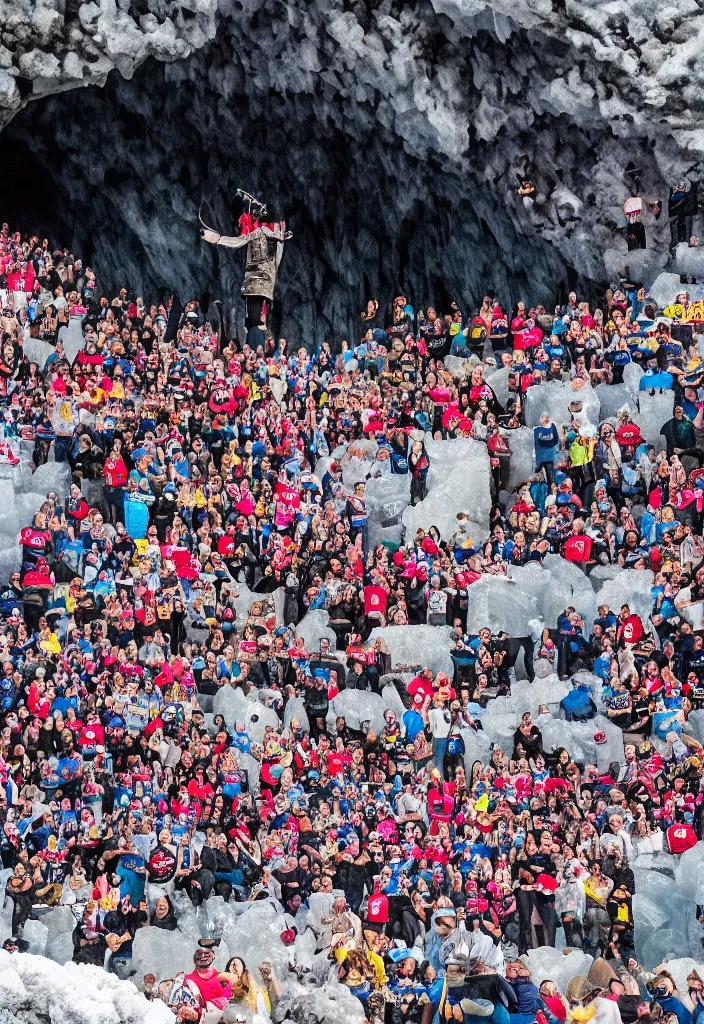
122	184
393	155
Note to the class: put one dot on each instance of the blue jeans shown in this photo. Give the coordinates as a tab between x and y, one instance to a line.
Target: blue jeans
114	502
62	446
439	750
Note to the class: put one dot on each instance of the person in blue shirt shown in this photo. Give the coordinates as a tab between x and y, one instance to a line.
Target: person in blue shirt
570	641
606	618
133	875
413	721
655	378
240	739
618	357
62	702
546	441
527	994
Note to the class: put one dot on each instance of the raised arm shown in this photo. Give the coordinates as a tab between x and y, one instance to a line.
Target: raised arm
231	241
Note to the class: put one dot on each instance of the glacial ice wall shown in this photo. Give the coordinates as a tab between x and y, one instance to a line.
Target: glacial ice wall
390	135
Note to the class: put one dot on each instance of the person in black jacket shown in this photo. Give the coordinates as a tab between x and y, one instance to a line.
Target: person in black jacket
352	874
216	858
120	926
357	678
483	983
679	434
88	941
316	704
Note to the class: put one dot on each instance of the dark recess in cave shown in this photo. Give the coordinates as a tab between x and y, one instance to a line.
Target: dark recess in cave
32	201
121	176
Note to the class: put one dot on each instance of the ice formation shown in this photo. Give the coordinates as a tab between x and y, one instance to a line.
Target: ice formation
563	93
555	398
231	703
23	491
410	645
458	481
531	592
33	988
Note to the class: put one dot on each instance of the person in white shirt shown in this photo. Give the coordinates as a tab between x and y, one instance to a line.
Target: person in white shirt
440	722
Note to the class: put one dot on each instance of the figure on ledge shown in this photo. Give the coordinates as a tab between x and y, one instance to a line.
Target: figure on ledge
265	247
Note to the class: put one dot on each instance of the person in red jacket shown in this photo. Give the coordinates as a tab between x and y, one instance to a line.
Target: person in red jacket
76	507
630	627
115	472
204	981
21	279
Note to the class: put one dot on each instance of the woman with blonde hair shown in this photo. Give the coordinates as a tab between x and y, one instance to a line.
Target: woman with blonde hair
244	989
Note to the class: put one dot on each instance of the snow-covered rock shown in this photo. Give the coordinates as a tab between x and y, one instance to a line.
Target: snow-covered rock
555	398
428	646
458	481
35	988
510	603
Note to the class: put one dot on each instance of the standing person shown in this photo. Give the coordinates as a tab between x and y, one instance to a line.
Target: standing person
440	723
356	510
419	465
546	440
436	598
115	472
20	889
635	229
265	249
679	434
527	739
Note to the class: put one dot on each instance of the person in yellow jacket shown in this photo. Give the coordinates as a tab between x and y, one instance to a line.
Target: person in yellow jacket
582	465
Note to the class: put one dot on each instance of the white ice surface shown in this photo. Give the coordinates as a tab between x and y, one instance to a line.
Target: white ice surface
458	481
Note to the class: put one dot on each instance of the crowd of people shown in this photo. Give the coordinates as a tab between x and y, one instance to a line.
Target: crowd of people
205	468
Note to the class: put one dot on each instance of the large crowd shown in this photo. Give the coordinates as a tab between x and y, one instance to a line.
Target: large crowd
203	469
